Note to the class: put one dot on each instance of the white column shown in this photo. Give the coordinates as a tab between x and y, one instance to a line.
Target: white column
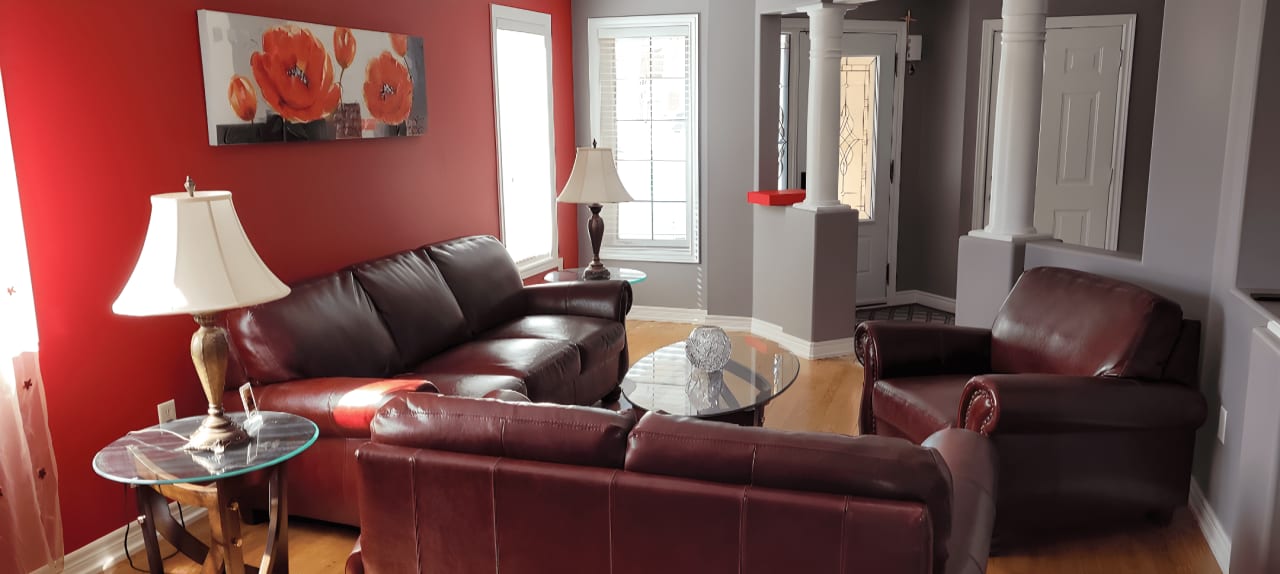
826	34
1016	141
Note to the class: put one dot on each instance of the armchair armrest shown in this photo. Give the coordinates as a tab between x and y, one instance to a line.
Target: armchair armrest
340	406
907	349
1064	403
600	299
971	458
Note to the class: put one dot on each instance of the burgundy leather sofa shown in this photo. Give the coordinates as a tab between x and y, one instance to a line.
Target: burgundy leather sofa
1086	385
452	317
468	486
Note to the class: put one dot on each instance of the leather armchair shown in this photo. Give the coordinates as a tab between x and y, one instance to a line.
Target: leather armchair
1085	385
463	485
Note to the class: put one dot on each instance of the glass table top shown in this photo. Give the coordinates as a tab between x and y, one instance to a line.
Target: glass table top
622	273
758	371
154	455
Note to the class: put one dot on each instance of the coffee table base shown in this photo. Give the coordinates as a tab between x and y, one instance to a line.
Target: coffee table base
744	418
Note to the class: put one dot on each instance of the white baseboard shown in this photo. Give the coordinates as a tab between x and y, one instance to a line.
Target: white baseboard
801	347
923	298
667	314
104	553
1214	535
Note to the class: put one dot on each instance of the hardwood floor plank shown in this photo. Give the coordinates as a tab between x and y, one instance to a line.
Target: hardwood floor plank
824	399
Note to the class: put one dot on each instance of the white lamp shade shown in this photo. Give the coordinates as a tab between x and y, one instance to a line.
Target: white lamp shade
594	179
196	259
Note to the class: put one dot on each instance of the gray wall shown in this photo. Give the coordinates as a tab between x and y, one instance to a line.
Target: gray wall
721	282
1260	237
1195	209
1146	58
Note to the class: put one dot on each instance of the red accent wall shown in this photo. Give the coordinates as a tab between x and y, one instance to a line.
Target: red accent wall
106	106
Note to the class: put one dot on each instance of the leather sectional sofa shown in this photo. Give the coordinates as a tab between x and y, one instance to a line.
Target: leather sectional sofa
464	486
1087	387
453	317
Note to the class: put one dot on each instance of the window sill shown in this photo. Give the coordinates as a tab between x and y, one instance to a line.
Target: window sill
648	254
539	266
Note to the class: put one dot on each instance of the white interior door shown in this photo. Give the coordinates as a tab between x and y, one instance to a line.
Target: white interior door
1081	132
868	102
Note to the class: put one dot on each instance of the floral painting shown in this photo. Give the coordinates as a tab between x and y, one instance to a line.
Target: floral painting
269	80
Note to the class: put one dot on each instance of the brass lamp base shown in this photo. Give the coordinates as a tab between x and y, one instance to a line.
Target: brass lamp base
209	351
216	433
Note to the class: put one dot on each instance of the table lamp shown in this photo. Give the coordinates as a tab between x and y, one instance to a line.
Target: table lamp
594	181
197	260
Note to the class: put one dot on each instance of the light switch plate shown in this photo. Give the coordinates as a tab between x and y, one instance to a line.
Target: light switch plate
167	411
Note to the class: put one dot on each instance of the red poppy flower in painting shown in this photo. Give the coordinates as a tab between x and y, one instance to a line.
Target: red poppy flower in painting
388	89
295	74
400	43
344	46
243	101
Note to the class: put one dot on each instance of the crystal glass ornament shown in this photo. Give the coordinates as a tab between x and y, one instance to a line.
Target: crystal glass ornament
708	348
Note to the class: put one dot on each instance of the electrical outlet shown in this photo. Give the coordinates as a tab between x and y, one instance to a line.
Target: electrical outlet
167	411
1222	424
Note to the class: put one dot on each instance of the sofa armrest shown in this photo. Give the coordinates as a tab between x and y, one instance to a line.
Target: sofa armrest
971	459
600	299
355	561
340	406
1033	403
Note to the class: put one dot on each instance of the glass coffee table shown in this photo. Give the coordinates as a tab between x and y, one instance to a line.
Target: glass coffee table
758	371
153	461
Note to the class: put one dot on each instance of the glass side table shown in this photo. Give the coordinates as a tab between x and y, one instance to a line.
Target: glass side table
632	276
152	461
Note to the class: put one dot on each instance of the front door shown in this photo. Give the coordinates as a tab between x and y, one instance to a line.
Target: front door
866	147
1077	187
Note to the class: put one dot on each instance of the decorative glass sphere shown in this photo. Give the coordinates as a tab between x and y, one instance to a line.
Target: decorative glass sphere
708	348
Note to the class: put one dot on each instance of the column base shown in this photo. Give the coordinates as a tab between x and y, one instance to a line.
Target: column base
822	207
1011	238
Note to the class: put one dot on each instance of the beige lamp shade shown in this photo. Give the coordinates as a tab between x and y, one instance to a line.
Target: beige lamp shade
196	259
594	179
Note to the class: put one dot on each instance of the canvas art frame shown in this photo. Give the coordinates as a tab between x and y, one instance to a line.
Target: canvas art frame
270	80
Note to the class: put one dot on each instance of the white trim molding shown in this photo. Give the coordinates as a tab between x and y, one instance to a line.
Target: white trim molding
923	298
1214	534
104	553
801	347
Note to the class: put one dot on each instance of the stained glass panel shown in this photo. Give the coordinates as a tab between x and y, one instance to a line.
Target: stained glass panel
858	133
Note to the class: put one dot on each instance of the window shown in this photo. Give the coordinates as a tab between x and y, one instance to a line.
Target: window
526	136
644	96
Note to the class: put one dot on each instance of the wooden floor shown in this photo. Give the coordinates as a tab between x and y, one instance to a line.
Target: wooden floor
823	399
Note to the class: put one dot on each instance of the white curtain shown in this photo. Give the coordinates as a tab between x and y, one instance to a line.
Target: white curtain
30	521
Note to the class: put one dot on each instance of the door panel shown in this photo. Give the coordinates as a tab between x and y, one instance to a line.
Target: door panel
1078	134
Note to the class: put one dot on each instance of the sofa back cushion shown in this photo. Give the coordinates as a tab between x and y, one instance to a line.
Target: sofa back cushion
1068	322
483	279
415	303
326	327
872	467
529	431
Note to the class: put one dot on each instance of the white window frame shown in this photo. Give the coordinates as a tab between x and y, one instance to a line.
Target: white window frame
539	23
684	24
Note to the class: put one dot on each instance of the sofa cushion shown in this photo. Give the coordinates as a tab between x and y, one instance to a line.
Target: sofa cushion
548	368
1067	322
483	279
917	407
326	327
415	302
597	340
340	407
470	385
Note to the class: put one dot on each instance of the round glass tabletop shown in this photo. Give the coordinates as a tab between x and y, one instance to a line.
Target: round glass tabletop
758	371
621	273
154	455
